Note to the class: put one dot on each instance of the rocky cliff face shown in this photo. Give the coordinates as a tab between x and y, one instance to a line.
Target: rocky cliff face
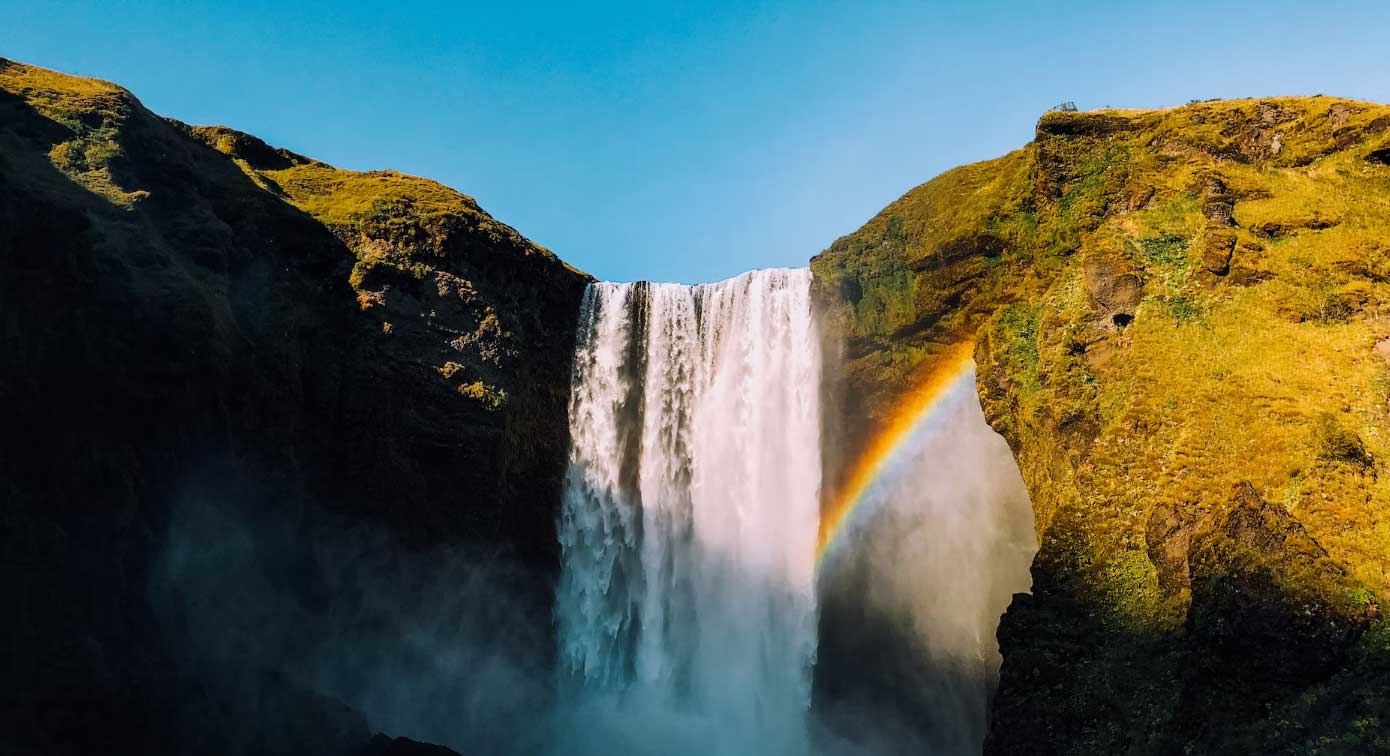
1181	332
221	356
267	418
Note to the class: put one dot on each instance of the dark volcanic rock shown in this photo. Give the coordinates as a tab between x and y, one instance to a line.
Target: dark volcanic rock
383	745
1267	602
175	333
1218	203
1217	247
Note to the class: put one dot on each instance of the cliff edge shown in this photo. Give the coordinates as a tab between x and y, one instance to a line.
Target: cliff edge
228	366
1181	329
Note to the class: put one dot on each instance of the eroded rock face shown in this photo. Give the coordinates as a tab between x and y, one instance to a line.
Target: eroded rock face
1178	308
1114	288
194	320
1168	538
1270	611
1218	245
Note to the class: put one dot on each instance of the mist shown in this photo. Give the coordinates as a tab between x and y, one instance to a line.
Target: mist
463	646
452	646
913	587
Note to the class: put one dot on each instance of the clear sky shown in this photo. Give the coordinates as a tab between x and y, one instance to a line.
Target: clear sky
687	141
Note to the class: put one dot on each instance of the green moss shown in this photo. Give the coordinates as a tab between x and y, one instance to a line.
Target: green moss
1101	173
1166	255
1165	249
1129	586
1018	331
1376	641
1182	308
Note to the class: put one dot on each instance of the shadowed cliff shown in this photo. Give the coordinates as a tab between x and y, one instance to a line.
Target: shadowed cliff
1181	333
227	365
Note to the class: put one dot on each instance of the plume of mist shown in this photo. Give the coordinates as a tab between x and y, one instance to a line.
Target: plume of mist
459	647
913	589
449	646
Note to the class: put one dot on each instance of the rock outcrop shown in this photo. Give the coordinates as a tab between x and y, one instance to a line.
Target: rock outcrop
198	325
1177	316
381	745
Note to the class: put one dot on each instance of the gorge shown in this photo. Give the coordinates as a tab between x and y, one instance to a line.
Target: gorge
302	454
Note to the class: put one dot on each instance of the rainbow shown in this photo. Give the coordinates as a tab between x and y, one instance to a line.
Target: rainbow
912	409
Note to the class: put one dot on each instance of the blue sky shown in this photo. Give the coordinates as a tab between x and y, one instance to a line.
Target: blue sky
687	141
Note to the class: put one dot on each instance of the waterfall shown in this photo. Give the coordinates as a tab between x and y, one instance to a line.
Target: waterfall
691	510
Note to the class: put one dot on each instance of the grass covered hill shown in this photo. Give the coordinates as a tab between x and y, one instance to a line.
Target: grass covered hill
1182	321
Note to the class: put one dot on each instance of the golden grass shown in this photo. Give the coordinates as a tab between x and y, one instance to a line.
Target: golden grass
91	111
1218	379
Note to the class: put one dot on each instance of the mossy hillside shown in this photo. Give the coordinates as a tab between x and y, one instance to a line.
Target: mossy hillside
1266	372
1167	304
406	233
929	268
1215	380
91	111
425	251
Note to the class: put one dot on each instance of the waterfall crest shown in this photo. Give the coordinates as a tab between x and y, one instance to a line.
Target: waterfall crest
691	510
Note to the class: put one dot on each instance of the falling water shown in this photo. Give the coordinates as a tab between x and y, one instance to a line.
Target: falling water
690	515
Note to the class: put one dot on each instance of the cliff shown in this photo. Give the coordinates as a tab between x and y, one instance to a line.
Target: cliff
223	356
1180	328
279	432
